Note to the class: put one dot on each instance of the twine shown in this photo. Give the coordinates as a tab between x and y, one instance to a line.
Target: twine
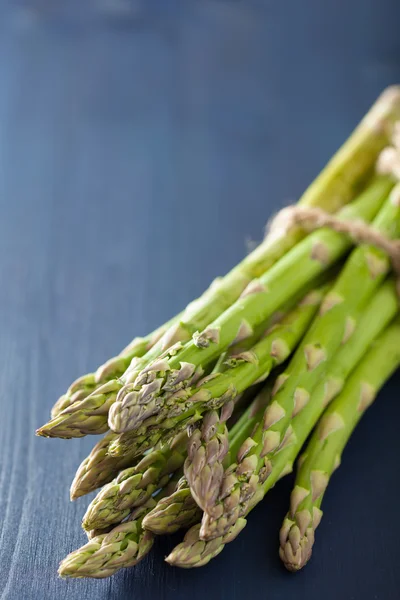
360	232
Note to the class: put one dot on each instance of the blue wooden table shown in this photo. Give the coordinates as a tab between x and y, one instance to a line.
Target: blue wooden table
141	145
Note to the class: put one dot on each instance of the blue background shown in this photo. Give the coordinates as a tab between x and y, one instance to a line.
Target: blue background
141	145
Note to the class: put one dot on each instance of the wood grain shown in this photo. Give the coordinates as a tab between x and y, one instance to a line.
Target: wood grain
140	145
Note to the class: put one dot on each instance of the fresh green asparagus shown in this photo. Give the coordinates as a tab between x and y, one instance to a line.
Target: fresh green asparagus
323	453
175	456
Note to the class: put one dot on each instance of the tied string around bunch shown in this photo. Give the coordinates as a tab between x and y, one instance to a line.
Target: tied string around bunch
360	232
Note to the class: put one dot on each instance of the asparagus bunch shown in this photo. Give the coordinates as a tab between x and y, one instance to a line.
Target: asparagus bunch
323	453
194	551
159	389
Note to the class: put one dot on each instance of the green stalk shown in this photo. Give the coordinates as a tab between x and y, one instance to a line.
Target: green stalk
323	452
175	369
250	418
196	552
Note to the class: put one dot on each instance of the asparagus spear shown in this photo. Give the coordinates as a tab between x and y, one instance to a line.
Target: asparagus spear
323	453
111	369
174	512
99	468
194	552
124	546
147	395
180	509
187	405
380	311
134	486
